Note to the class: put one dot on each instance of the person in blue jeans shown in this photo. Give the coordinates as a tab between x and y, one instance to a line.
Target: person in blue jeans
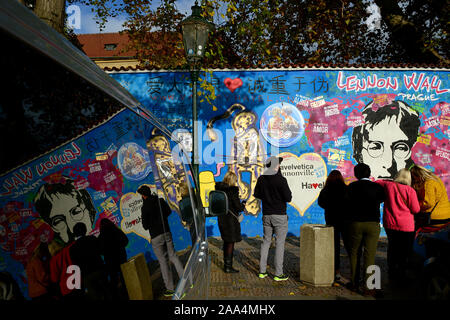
155	212
274	192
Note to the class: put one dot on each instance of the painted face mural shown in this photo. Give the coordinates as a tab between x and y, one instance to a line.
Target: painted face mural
85	181
62	206
385	140
385	118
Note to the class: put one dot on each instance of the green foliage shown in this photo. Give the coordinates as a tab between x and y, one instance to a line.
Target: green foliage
261	33
267	32
154	34
209	91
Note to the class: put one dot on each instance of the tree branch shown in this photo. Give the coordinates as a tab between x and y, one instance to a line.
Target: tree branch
409	36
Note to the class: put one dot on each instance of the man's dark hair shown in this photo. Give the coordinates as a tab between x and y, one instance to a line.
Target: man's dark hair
79	230
145	191
361	171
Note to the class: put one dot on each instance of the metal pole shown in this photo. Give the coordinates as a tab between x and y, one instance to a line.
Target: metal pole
194	77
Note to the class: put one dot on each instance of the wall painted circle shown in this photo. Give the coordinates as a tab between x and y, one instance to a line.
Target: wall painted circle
282	124
133	161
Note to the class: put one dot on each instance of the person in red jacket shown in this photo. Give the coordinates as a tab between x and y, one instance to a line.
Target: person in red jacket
400	205
59	276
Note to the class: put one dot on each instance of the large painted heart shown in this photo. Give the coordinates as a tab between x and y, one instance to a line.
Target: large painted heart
233	84
306	177
130	208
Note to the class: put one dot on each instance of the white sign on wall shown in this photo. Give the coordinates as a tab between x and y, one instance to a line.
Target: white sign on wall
130	208
306	177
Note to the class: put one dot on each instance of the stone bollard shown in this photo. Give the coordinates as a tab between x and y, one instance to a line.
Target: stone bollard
317	255
137	278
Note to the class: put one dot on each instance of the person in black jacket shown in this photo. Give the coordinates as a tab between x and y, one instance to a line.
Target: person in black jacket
229	226
113	242
333	199
86	253
155	212
274	192
186	211
365	198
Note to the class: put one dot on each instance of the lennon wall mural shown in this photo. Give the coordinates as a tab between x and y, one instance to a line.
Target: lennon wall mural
317	120
93	177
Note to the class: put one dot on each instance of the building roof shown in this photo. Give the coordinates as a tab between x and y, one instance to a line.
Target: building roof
313	66
105	45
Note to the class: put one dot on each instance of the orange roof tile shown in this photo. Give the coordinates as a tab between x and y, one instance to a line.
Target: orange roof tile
94	45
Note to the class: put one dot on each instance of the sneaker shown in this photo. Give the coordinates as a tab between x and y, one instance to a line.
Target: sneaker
262	275
168	293
281	277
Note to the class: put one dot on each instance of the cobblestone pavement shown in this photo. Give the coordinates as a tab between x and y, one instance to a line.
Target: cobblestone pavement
247	285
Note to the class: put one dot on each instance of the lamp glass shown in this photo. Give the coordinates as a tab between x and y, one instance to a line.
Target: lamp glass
195	36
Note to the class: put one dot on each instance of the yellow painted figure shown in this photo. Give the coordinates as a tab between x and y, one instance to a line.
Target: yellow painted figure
247	153
247	157
170	174
207	184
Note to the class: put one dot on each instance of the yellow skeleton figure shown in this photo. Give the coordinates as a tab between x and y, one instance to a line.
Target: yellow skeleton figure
247	156
170	174
247	153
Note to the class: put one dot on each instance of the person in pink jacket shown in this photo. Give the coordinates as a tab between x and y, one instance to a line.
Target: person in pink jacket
398	221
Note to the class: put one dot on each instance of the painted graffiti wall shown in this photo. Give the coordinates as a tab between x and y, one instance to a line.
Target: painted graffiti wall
318	120
95	176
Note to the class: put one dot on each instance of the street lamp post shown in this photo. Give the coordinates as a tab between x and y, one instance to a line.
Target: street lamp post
195	31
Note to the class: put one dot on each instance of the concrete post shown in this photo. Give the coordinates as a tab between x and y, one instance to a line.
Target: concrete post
137	278
317	255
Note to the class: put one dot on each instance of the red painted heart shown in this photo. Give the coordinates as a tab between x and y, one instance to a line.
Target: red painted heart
233	84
